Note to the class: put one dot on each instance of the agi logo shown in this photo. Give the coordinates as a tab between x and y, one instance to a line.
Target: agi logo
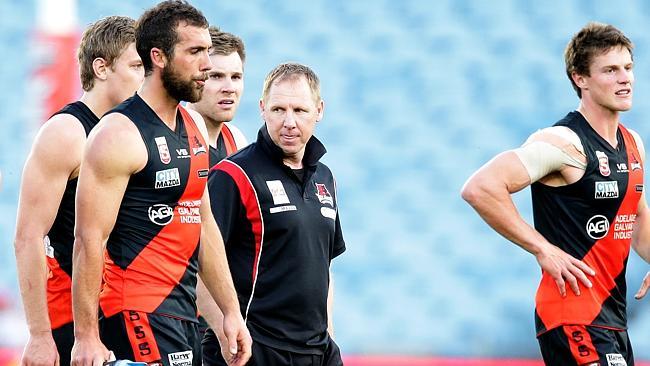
597	227
161	214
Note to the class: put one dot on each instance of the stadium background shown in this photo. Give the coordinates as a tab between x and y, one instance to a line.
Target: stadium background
418	95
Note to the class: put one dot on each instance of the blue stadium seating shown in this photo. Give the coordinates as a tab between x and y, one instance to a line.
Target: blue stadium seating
418	95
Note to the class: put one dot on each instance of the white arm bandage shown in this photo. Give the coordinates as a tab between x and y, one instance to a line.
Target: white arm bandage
541	158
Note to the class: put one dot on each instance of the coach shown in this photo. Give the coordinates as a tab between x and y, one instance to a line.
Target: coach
275	204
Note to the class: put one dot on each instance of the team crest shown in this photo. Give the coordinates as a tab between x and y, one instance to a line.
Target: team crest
163	150
603	163
197	146
323	194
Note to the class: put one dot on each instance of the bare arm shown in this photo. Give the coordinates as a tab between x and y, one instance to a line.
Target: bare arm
641	242
330	307
641	233
53	160
488	192
114	151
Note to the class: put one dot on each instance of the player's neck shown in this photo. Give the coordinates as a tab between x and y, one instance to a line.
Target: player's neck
98	103
603	120
214	129
155	95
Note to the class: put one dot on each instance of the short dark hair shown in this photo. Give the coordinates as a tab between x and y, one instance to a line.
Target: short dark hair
224	43
592	40
156	28
107	38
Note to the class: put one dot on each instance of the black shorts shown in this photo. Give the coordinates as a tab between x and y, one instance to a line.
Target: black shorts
64	339
264	355
572	345
151	338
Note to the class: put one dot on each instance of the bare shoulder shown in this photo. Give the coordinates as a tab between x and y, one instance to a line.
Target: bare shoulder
560	136
59	143
639	143
116	142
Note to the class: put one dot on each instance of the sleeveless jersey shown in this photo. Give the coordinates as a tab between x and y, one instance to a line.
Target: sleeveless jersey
60	238
152	253
226	145
592	220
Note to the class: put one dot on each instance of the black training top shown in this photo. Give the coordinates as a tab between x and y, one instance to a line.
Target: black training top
280	234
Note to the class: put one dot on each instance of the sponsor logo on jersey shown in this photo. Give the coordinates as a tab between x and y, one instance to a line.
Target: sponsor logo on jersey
161	214
163	149
615	359
282	209
621	168
638	187
180	358
182	153
597	227
603	163
197	146
608	189
203	173
167	178
636	165
323	194
277	192
330	213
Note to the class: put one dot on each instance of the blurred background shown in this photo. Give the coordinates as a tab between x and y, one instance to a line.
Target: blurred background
418	95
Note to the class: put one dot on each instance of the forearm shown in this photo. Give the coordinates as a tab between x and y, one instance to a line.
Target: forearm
495	206
214	270
641	233
330	307
86	283
209	309
32	279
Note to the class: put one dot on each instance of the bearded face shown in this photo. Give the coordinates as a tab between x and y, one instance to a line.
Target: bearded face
182	89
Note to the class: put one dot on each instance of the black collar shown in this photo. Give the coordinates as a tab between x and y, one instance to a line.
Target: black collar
314	150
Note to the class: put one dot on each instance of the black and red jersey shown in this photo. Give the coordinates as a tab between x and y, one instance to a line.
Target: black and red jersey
280	234
226	145
60	238
592	220
152	252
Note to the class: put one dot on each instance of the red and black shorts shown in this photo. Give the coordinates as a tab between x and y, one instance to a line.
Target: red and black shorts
152	338
577	345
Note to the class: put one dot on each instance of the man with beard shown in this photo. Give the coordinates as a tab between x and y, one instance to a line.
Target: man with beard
142	197
221	95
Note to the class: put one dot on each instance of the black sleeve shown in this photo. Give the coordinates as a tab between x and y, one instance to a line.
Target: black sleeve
225	202
339	243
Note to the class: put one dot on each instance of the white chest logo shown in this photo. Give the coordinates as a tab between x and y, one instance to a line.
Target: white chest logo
603	163
277	192
163	149
167	178
597	227
161	214
606	190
